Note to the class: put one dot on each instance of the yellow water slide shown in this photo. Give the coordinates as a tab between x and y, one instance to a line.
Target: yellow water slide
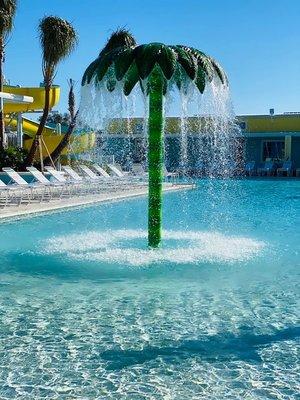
29	127
79	144
38	94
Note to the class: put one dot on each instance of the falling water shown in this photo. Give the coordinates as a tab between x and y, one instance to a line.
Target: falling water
205	133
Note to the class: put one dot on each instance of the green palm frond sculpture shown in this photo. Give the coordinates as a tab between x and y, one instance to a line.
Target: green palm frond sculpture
155	66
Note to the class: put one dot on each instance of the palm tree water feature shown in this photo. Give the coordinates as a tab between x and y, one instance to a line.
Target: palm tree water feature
157	68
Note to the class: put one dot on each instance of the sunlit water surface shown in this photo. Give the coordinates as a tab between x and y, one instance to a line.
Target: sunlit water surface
87	312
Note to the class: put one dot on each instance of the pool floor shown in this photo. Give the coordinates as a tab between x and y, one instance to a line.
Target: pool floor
87	312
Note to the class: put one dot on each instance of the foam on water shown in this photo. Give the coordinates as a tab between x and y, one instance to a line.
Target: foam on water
123	247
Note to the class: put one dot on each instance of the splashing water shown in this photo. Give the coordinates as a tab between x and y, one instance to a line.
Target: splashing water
123	247
206	133
203	141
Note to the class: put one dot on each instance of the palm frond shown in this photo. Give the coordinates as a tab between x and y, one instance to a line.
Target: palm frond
145	57
7	13
219	71
131	79
120	38
89	72
203	61
58	39
187	61
167	59
71	98
123	62
201	79
102	66
121	57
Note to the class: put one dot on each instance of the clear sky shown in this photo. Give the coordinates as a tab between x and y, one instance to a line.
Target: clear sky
256	41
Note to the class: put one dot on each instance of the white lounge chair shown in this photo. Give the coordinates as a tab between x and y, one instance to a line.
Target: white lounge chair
138	170
101	171
113	181
125	178
171	175
59	177
74	177
11	193
89	173
116	171
104	179
40	177
34	191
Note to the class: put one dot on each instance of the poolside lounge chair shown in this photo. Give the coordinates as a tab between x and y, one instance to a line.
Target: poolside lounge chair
119	173
125	171
11	193
126	179
32	190
87	184
101	171
59	177
89	173
104	181
115	170
286	168
171	175
267	169
103	178
138	170
250	168
114	181
40	177
73	175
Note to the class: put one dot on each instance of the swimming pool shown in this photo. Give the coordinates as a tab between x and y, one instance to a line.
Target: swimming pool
87	312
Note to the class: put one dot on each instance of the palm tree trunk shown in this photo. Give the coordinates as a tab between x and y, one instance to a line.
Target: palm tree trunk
155	159
63	143
2	127
32	152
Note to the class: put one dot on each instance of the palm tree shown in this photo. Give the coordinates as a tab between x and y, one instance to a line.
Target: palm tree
58	39
7	13
67	136
156	64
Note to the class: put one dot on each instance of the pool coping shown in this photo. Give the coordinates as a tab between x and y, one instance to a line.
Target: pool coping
32	210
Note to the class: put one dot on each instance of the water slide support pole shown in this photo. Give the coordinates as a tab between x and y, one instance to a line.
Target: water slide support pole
19	130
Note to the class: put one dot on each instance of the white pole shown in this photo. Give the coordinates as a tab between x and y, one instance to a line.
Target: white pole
58	129
4	132
20	130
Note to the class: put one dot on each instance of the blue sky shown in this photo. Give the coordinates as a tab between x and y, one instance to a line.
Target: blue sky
256	41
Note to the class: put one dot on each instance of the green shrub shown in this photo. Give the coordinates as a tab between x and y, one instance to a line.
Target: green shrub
12	157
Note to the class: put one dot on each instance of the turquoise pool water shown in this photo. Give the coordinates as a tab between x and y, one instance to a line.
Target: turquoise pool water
87	312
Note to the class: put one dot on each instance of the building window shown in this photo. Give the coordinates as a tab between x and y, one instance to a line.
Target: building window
273	150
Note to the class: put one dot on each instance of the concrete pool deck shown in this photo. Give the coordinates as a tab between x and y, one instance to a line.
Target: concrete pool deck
77	201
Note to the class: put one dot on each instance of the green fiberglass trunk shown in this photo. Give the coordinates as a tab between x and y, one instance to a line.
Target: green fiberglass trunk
155	158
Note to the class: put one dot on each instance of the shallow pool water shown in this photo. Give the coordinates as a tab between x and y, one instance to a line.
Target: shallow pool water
88	312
